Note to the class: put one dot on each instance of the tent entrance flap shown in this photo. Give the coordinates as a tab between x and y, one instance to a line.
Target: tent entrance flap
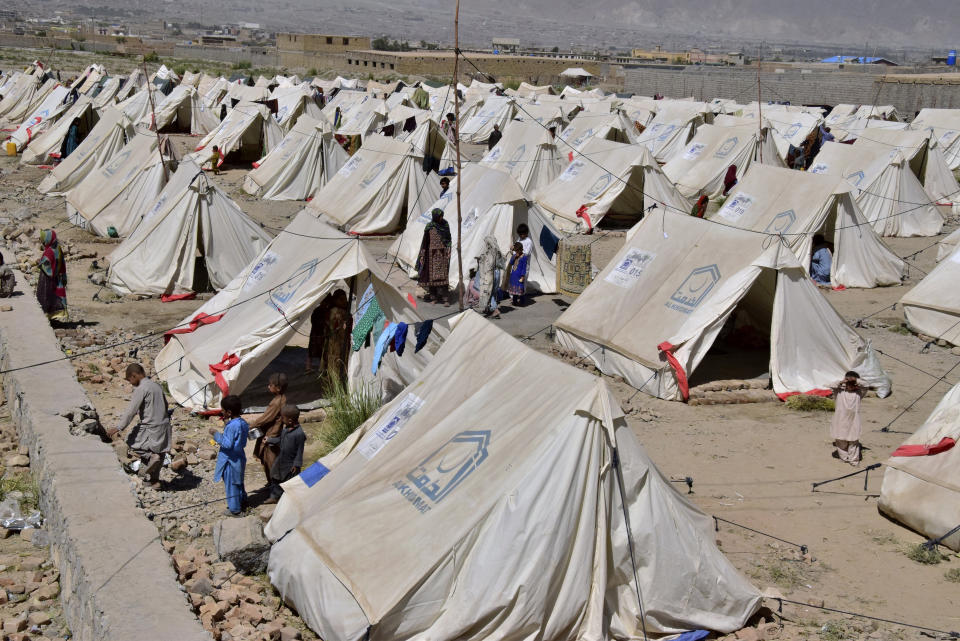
627	208
741	350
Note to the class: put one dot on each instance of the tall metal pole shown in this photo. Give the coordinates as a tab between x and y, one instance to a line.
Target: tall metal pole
153	110
759	102
456	117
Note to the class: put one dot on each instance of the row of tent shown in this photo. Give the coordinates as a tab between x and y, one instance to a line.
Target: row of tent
449	486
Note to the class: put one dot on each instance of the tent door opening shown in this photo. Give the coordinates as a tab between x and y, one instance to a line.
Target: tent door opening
627	208
741	350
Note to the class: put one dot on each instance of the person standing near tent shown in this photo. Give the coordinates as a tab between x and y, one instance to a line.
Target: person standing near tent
449	127
523	237
730	179
231	459
289	444
846	428
150	439
517	269
822	261
52	282
495	137
214	160
269	424
700	207
444	185
433	263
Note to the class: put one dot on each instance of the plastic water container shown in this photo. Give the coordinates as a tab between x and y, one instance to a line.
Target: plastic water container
952	57
11	148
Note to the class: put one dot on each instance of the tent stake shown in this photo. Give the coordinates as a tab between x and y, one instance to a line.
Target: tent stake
456	118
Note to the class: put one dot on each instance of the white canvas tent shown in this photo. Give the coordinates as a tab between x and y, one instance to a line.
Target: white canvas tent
304	161
493	205
134	82
121	192
674	124
608	178
529	153
701	168
269	304
46	147
944	127
924	155
183	111
790	127
889	194
248	128
292	103
377	189
921	488
28	103
193	226
41	118
948	244
108	91
496	110
586	126
933	306
107	137
854	128
680	282
431	498
798	205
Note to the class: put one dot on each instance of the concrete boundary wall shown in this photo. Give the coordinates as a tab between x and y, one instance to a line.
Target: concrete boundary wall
117	582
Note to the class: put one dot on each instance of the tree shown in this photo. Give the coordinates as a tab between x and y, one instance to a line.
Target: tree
555	50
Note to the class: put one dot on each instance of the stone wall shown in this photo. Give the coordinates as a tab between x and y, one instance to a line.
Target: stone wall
117	582
227	54
794	85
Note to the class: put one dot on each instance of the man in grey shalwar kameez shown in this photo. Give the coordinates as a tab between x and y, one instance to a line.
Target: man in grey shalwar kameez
150	438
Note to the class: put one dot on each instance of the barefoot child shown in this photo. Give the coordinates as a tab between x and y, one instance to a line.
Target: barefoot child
231	460
290	444
846	428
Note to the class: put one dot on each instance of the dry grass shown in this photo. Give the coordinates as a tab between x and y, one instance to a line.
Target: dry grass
805	403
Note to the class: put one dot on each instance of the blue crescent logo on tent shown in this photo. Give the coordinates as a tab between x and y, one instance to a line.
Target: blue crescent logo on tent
856	178
782	222
517	155
284	293
792	130
669	129
728	145
373	174
694	288
600	186
446	468
117	162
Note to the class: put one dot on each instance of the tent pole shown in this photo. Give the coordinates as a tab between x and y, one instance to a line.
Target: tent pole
626	521
153	112
456	118
759	103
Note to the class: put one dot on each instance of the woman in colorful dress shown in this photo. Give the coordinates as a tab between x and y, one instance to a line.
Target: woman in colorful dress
517	269
433	263
52	284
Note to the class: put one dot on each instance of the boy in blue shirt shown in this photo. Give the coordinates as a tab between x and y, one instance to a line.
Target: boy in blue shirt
231	460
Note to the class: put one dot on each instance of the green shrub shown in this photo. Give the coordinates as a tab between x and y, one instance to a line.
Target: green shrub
805	403
952	575
924	554
242	64
348	410
151	57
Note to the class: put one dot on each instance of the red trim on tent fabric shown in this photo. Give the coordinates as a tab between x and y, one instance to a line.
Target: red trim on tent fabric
217	369
55	154
412	300
169	298
582	213
45	166
945	444
208	413
814	392
570	156
839	288
256	165
195	323
667	350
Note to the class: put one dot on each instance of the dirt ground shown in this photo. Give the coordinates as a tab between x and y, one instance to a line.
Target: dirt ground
750	463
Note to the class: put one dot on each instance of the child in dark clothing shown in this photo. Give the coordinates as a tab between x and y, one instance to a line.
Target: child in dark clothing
290	444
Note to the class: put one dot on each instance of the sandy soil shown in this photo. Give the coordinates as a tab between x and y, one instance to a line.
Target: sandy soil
753	464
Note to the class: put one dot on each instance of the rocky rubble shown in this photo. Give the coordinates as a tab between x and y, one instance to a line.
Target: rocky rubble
29	581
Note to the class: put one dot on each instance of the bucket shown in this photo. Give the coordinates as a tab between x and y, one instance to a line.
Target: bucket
11	149
573	265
